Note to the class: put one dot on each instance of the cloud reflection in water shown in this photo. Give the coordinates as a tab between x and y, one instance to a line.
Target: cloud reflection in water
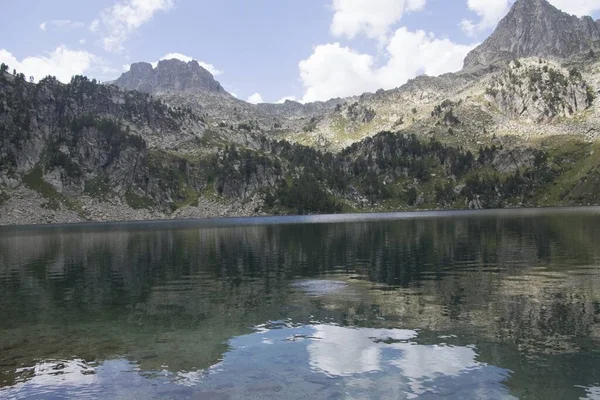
340	351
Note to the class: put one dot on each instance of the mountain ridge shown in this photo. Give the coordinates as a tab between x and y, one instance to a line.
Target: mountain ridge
573	36
514	132
535	28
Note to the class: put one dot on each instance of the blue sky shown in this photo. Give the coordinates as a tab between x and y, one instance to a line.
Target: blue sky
265	50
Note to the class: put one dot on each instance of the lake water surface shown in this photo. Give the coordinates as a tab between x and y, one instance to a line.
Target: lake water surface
466	305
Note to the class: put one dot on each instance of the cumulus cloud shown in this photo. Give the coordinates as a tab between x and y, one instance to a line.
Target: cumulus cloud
372	18
255	98
490	12
62	63
336	71
209	67
577	7
123	18
417	52
62	24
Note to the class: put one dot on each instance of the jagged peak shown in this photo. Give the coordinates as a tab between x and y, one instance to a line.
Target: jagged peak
177	63
171	75
140	67
535	28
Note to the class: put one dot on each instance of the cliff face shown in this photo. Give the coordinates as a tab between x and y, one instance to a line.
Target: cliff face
535	28
169	76
66	140
85	151
539	92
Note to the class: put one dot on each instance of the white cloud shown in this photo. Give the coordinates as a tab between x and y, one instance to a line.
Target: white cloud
255	98
123	18
490	12
373	17
108	71
62	24
412	53
336	71
333	70
283	99
62	63
577	7
94	25
209	67
82	41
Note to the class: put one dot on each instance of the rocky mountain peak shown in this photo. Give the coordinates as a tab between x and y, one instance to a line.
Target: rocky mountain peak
169	76
535	28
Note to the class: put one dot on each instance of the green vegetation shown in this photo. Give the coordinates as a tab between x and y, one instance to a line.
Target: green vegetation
391	170
98	188
576	163
248	126
312	125
189	198
57	159
138	202
590	95
303	195
360	113
34	180
114	131
4	196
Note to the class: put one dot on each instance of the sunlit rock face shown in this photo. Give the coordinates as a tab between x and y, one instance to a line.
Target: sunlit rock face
169	75
536	28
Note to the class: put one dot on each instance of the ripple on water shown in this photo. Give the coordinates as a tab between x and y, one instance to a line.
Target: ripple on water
319	287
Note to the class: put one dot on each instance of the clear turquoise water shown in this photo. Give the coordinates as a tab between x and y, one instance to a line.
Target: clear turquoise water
493	305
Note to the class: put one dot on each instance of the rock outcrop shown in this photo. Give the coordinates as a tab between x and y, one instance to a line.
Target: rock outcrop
539	91
535	28
169	76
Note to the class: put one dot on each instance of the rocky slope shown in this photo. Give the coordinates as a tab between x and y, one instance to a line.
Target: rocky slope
535	28
517	133
188	85
555	36
536	91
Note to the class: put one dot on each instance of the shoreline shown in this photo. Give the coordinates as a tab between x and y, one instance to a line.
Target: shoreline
258	220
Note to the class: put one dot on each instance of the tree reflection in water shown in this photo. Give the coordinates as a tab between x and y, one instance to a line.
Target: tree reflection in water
457	297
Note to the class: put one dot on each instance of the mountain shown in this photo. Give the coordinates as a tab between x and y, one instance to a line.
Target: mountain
189	85
169	76
535	28
170	142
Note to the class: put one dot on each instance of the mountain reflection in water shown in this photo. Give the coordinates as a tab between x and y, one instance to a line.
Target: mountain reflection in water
466	306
